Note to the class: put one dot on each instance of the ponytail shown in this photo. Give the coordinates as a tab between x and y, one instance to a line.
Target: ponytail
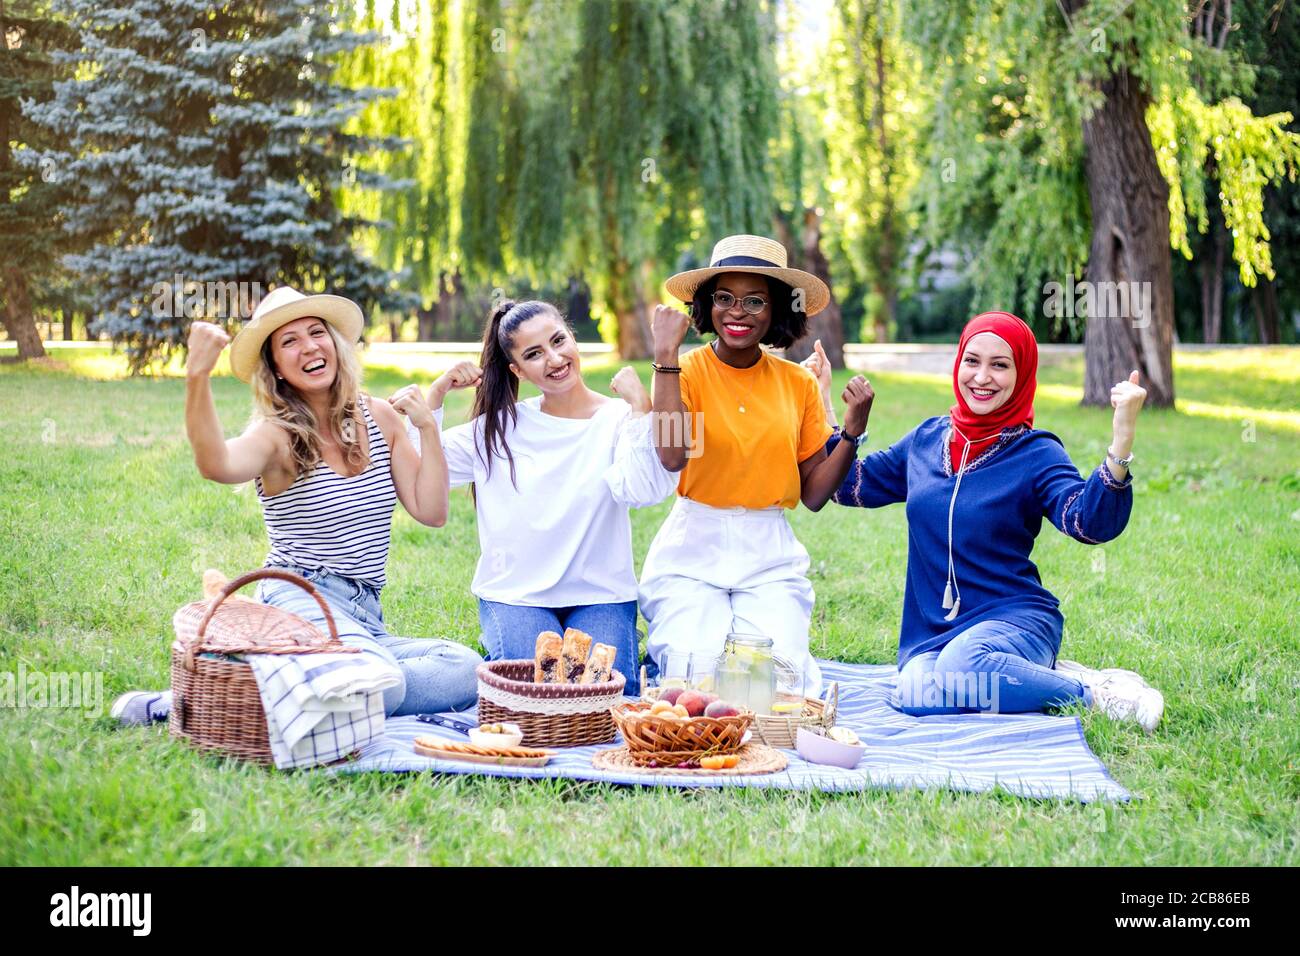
498	392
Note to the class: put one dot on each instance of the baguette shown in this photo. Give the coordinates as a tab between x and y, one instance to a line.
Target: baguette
573	658
546	659
600	668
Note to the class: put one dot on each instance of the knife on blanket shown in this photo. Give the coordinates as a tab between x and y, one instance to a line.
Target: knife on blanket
451	723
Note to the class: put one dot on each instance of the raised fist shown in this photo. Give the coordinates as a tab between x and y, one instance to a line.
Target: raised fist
461	375
820	367
858	396
668	327
411	403
627	386
206	342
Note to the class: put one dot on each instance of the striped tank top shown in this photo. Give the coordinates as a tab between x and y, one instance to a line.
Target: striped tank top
326	521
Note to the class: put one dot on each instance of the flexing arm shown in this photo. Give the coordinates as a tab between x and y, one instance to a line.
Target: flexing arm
1126	398
230	462
822	474
819	364
420	478
669	329
636	477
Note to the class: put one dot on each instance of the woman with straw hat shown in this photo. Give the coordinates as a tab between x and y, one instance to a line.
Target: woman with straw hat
329	463
726	559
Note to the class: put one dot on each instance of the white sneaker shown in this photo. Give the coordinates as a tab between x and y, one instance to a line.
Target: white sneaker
137	708
1091	675
1120	698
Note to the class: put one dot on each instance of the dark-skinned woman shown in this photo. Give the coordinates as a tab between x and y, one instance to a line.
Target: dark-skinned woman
747	431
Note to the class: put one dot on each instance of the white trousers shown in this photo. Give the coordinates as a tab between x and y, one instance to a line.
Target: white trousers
712	571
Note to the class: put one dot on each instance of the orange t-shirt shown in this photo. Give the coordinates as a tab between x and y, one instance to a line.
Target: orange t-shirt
749	459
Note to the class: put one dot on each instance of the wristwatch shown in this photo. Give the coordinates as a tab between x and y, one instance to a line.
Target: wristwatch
857	442
1122	462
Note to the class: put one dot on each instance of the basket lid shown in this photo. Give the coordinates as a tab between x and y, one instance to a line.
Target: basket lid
250	627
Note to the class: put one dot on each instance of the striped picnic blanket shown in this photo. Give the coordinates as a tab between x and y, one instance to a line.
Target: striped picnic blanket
1029	755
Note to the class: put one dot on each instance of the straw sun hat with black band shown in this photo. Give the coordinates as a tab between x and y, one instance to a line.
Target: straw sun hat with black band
760	256
282	306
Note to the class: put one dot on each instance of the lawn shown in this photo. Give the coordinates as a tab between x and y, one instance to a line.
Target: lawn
107	527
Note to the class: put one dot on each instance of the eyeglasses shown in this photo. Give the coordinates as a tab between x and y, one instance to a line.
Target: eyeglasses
752	304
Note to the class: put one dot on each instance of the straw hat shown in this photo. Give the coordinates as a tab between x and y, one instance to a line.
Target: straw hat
281	306
752	254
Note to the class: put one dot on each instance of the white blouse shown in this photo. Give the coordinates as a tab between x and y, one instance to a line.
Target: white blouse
562	537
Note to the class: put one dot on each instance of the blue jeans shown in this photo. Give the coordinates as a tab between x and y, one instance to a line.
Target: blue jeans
510	632
437	675
992	667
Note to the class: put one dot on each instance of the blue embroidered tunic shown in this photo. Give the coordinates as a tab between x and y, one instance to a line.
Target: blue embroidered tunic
1004	495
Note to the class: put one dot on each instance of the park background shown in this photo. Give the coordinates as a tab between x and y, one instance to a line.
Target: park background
927	158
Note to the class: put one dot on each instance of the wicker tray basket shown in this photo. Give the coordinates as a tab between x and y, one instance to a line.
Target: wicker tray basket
651	738
550	715
779	730
215	703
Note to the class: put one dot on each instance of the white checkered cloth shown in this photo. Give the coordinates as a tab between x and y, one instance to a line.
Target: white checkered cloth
321	707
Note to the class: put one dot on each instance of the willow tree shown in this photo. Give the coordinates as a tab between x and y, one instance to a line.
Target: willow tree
872	141
415	232
631	130
1042	135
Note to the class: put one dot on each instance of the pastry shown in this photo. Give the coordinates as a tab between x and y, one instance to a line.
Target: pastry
546	660
573	659
600	667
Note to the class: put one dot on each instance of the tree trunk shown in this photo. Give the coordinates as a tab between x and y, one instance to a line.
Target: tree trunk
827	325
18	319
627	302
1267	320
424	321
1130	244
579	304
1213	250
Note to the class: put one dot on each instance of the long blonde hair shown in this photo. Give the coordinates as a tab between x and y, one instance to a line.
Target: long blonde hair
277	401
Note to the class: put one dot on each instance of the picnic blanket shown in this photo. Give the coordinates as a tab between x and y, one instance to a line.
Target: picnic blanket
1029	755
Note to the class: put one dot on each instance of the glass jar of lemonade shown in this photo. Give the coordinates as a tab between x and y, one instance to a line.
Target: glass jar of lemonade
746	674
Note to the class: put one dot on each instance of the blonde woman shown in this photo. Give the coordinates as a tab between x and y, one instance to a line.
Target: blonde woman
329	463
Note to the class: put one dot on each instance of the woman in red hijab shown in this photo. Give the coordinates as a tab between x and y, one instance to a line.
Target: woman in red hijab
979	630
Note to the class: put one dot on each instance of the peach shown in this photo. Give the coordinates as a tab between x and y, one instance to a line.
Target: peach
694	703
720	708
672	693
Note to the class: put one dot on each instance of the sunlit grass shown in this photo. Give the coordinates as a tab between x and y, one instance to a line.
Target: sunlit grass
107	528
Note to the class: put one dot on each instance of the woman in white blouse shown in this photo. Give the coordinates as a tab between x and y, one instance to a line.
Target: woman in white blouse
553	479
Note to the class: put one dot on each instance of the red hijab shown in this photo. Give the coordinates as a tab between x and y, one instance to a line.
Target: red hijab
981	430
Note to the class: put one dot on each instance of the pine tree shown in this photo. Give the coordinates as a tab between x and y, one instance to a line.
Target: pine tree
205	140
31	236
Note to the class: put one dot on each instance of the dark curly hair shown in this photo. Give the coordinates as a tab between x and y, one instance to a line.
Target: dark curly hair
788	326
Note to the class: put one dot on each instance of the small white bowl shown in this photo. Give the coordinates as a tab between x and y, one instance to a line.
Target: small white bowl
818	749
509	739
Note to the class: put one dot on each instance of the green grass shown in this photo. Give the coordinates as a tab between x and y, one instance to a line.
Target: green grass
106	527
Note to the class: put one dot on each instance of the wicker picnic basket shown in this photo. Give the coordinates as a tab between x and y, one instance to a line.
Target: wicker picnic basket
215	703
655	739
779	730
550	715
